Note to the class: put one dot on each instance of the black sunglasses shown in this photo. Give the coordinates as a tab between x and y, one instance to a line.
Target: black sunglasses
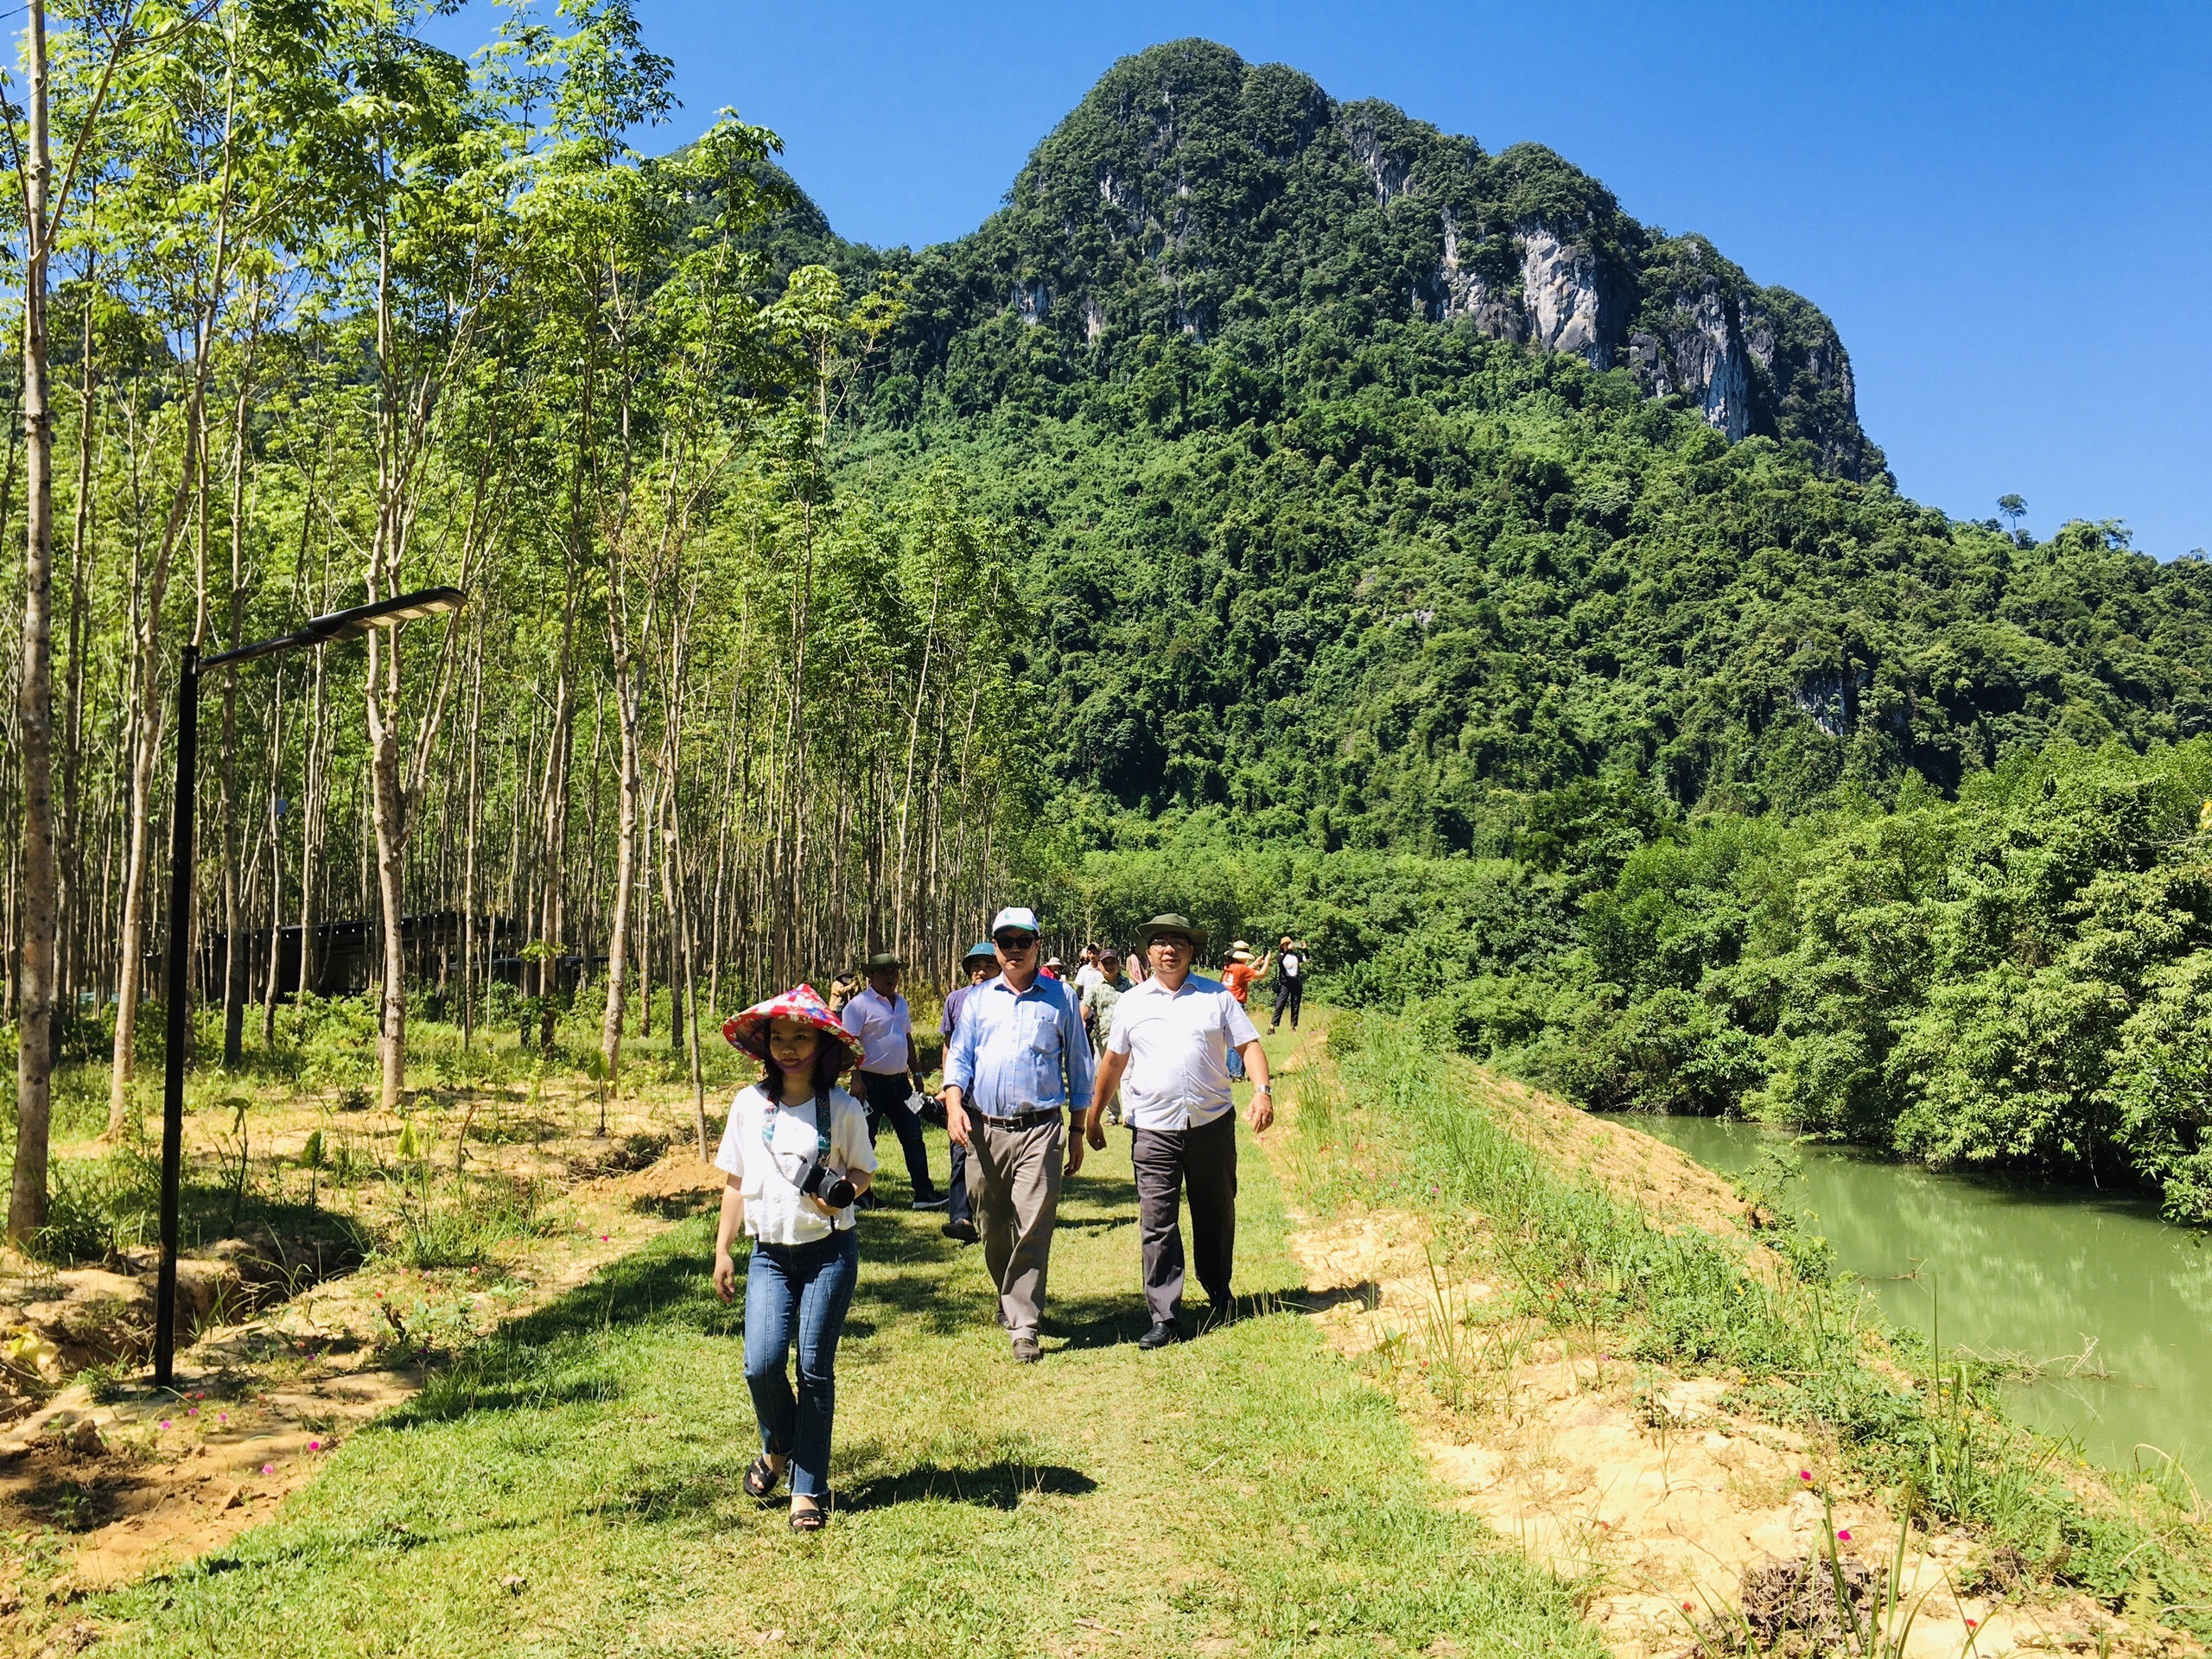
1014	942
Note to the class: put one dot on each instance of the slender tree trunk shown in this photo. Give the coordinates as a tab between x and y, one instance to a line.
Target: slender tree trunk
40	919
314	808
387	809
551	922
625	864
475	822
680	937
234	939
83	556
275	863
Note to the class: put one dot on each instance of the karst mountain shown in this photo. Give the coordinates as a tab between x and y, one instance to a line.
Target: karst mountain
1382	490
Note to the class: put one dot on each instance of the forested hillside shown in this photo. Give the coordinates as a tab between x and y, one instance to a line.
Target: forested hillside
1562	693
1280	508
1318	548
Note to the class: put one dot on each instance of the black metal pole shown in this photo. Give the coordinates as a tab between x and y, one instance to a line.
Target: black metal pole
179	1010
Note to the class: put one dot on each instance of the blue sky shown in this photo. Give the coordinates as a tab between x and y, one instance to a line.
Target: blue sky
2007	209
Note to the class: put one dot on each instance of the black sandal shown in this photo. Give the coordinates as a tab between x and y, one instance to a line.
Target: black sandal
811	1520
761	1479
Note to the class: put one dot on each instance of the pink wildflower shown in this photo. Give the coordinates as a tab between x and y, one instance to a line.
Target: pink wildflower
1804	1474
1972	1623
267	1468
1844	1537
165	1422
314	1445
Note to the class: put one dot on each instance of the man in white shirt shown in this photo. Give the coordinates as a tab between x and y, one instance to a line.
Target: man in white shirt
1167	1050
883	1029
1089	974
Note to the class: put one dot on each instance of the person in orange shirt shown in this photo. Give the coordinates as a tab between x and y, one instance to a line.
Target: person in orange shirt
1238	977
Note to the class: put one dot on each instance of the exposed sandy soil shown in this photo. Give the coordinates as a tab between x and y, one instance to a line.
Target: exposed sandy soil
94	1492
1634	1482
1669	1184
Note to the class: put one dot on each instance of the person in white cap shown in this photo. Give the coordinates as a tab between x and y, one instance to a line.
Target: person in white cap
1016	1071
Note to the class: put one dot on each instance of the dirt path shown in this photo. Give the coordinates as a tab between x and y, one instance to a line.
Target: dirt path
1673	1512
100	1491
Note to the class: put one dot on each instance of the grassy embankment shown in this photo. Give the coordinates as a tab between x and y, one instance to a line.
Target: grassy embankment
1245	1493
1392	1122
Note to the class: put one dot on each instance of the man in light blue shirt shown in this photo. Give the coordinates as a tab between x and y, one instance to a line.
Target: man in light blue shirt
1018	1067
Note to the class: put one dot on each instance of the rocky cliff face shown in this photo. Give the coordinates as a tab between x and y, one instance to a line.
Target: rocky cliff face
1191	190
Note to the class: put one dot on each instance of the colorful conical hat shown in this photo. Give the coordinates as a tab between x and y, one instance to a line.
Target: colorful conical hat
749	1030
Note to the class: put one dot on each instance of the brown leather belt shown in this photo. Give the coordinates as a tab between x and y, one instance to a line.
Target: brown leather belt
1025	1120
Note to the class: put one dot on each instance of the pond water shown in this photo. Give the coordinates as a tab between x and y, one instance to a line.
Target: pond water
2114	1305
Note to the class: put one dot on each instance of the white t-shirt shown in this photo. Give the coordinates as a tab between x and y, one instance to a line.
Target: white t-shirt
1177	1043
881	1024
1088	974
1291	964
770	1148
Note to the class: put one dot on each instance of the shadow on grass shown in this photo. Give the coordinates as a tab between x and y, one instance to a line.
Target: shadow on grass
1367	1293
554	1355
1000	1485
1097	1321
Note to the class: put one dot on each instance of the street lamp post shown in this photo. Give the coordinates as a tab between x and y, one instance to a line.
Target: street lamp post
337	626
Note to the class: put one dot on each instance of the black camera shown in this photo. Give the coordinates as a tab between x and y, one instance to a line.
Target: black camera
825	1183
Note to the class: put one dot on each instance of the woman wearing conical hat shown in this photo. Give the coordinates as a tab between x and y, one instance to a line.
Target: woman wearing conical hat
795	1157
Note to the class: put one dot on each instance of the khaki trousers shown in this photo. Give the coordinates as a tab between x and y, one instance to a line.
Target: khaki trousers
1014	1180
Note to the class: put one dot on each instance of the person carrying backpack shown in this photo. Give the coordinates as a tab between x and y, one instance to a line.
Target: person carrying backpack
1290	983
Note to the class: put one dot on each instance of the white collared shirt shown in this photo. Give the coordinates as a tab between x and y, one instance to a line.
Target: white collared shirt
881	1023
1177	1043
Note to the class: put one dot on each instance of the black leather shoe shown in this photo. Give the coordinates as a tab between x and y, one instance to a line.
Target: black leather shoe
963	1230
1026	1351
1159	1337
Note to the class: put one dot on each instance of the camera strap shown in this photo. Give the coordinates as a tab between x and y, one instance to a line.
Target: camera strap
821	1139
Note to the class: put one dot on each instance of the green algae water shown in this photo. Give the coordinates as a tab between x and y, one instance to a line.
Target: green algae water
2110	1305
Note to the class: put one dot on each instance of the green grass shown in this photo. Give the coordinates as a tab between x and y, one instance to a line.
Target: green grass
1403	1121
1245	1493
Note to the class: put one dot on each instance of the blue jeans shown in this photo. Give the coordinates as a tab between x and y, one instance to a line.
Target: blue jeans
1236	1061
802	1291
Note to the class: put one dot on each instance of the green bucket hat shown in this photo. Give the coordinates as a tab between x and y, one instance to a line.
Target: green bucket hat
982	948
1170	922
880	961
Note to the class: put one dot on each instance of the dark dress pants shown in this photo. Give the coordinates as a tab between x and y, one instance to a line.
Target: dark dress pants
887	1098
1169	1163
959	1206
1289	994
